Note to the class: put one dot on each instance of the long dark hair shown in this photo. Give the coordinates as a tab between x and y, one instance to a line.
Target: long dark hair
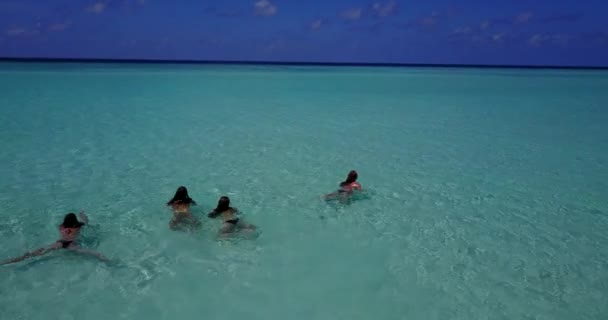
223	205
352	177
181	196
70	221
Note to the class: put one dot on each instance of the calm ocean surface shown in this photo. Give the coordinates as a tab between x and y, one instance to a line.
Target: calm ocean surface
487	191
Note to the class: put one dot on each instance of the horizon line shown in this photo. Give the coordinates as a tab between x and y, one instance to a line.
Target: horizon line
295	63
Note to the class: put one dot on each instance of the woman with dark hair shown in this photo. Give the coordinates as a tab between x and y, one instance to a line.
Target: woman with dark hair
347	188
228	213
180	203
181	197
69	231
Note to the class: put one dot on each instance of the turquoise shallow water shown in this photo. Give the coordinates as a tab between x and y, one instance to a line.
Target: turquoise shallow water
487	191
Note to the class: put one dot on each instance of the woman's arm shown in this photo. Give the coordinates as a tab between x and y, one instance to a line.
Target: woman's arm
32	254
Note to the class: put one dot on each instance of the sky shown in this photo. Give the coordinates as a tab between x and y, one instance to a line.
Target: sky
499	32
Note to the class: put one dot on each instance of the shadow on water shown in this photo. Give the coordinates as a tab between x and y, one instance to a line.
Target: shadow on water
239	235
88	241
148	270
342	203
27	265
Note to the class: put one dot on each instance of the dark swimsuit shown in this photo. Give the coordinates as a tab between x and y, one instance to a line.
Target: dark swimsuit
65	243
345	189
233	221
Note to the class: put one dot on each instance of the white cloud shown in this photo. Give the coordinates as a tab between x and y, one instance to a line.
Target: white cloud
59	26
17	7
384	10
463	31
561	39
15	31
315	25
19	32
129	43
428	21
538	40
163	43
484	25
97	8
523	17
265	8
276	45
498	36
352	14
478	38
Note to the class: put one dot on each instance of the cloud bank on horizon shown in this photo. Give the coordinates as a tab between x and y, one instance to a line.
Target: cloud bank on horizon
377	31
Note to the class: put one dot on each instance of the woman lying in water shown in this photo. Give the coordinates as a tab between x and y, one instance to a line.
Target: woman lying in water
231	221
69	231
347	188
182	218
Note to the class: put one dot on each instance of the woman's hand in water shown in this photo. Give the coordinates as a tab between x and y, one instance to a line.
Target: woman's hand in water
83	217
91	253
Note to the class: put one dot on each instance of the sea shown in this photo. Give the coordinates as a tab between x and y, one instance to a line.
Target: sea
485	191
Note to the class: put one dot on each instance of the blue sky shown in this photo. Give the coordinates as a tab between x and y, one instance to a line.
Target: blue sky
541	32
